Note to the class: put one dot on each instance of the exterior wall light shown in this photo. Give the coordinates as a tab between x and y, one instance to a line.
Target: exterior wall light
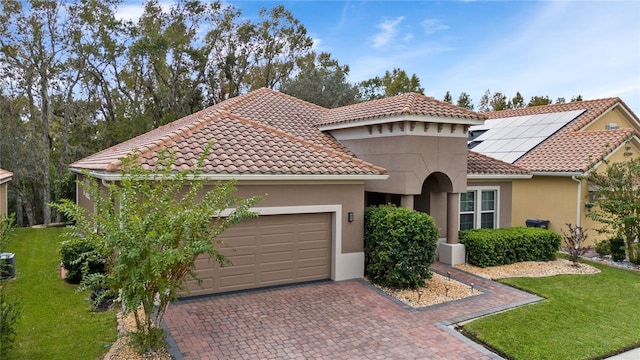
350	216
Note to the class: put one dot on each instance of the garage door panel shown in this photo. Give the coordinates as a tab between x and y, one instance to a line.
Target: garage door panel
312	272
270	250
313	254
239	260
283	238
277	256
273	277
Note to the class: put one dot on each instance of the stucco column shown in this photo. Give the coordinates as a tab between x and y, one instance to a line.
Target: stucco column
453	217
452	252
407	201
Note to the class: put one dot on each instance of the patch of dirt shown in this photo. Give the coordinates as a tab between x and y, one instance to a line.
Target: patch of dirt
529	269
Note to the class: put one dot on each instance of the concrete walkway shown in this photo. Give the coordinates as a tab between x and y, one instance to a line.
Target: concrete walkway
333	320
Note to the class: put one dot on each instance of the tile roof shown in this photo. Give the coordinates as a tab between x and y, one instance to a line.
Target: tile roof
571	149
482	164
263	132
405	104
574	151
5	175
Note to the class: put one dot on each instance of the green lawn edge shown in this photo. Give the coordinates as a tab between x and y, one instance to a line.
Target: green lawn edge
582	317
57	321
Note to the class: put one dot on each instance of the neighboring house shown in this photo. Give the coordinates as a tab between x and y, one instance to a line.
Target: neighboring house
558	145
5	177
320	168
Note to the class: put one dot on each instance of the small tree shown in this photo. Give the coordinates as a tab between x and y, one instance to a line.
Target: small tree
618	202
574	242
150	226
9	310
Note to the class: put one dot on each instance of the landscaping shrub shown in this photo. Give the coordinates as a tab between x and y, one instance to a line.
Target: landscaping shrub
9	310
618	251
80	258
603	248
493	247
400	245
574	242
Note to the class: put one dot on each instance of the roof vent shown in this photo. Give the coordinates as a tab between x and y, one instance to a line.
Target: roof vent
611	126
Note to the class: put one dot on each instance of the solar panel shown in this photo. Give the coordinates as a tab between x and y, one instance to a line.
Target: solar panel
508	139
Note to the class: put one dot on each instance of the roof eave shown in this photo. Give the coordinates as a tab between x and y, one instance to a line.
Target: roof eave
557	173
397	118
113	176
498	176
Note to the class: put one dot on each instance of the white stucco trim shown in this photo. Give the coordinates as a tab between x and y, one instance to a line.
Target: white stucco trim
416	118
115	176
343	266
498	176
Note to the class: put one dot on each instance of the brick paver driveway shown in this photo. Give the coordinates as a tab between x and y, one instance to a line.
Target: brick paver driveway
332	320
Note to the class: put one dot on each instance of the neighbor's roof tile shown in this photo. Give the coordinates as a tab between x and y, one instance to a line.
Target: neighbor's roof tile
482	164
570	149
4	174
405	104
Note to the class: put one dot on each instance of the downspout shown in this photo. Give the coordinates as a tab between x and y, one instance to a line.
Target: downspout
579	201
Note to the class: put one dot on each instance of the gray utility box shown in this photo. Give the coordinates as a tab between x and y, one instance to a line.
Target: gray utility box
544	224
7	265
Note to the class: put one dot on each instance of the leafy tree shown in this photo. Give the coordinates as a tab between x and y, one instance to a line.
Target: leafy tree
517	102
392	83
561	100
151	226
539	101
618	202
464	101
447	97
576	98
322	81
496	102
281	39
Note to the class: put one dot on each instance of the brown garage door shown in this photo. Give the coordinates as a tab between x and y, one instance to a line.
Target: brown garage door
269	250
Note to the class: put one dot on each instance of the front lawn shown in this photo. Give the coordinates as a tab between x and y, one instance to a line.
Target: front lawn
56	322
582	317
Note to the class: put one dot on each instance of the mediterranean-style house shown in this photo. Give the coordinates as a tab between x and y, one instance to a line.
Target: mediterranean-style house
558	145
321	167
5	177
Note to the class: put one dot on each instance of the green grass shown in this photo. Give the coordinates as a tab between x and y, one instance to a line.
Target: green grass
582	317
56	322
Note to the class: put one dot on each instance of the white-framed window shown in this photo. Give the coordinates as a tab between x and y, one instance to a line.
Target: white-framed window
479	208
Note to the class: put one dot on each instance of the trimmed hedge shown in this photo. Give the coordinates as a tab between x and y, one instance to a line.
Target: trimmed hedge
494	247
400	245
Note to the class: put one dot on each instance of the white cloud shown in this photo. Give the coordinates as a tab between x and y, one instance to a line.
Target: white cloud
389	29
431	26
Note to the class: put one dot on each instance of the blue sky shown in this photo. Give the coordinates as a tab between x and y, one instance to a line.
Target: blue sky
546	48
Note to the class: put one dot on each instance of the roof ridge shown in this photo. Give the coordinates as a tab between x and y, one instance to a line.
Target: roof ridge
281	133
611	100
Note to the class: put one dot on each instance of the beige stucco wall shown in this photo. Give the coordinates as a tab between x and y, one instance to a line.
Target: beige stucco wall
614	116
552	198
505	199
409	160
